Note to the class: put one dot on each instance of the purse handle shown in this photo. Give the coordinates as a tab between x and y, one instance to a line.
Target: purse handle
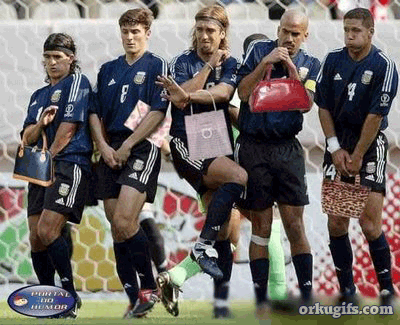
44	147
204	90
269	70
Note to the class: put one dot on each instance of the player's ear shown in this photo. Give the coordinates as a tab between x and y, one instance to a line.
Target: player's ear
223	34
371	31
148	33
71	58
278	30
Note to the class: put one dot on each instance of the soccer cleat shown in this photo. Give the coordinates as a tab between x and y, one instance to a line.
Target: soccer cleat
73	313
222	312
169	293
263	310
387	298
206	256
145	303
348	298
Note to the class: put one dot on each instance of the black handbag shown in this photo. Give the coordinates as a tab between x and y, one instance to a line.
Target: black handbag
34	165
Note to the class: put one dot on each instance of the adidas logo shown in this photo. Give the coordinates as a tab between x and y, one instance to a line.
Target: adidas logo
64	279
308	283
370	178
34	103
384	271
112	82
133	175
60	201
216	228
127	285
337	77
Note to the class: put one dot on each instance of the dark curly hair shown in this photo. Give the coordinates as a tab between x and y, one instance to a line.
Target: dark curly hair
64	43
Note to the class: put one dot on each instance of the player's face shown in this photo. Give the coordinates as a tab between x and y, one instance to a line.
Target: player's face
134	39
291	34
57	64
209	36
356	36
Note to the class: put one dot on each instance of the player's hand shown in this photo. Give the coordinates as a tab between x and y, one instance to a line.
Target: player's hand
292	69
354	166
341	158
122	154
218	58
48	115
278	54
175	94
108	155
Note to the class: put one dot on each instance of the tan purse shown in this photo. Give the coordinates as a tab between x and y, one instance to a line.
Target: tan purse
344	199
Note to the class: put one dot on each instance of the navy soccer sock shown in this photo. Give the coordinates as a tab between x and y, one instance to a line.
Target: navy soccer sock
156	243
380	254
225	262
43	267
59	254
140	253
126	271
343	259
259	272
303	264
220	208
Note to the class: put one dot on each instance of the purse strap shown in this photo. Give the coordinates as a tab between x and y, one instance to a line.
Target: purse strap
212	98
44	138
268	72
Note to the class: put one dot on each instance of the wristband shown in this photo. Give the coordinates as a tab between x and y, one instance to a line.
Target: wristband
211	67
333	144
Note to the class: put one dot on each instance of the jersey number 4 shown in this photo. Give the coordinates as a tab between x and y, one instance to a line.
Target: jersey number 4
352	90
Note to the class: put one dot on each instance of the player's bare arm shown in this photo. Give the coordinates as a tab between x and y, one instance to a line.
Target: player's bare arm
97	131
199	80
65	133
248	83
234	115
340	157
368	134
149	124
33	132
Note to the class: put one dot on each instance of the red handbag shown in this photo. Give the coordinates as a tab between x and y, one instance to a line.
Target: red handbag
278	95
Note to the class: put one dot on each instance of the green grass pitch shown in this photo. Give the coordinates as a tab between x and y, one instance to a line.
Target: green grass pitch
191	312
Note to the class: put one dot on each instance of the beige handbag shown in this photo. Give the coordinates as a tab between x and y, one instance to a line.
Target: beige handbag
344	199
207	134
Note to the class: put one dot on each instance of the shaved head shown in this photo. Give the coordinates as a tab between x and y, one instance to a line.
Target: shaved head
295	17
292	30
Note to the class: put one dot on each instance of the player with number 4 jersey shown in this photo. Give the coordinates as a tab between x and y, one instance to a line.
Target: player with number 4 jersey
355	89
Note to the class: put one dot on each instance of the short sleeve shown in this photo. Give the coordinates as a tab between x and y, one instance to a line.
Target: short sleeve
323	86
78	102
33	113
310	83
384	87
179	69
156	102
229	75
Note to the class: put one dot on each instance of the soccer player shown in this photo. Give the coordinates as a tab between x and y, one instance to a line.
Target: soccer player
268	149
61	110
130	164
206	65
355	90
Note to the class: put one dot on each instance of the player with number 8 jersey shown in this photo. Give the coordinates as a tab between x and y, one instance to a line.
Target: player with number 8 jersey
130	163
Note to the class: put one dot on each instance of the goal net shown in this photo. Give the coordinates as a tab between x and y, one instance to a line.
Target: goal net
176	208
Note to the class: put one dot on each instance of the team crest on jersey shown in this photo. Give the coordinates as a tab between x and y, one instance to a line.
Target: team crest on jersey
56	96
366	77
139	78
303	72
63	190
138	165
371	167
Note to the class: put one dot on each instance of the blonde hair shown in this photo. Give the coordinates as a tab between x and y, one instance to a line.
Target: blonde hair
218	15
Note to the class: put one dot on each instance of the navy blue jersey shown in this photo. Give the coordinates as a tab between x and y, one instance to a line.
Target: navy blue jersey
120	86
183	68
72	96
351	90
275	125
